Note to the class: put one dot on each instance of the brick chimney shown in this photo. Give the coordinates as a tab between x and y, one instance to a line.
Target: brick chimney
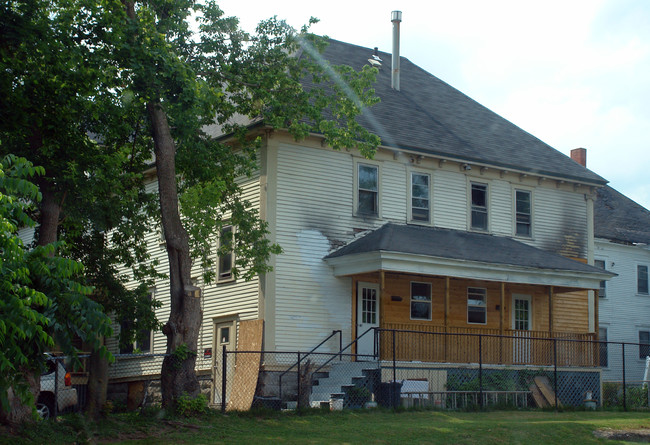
580	156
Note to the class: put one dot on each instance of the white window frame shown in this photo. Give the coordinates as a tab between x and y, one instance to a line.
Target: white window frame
376	165
484	306
514	205
647	279
602	291
409	179
230	277
470	206
605	346
639	331
420	301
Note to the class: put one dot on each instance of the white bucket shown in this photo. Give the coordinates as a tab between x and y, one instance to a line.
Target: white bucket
336	404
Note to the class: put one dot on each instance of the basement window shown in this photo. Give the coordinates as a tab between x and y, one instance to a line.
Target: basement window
644	344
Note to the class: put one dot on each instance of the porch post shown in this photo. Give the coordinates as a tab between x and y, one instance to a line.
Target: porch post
501	306
382	293
446	315
550	310
446	302
502	322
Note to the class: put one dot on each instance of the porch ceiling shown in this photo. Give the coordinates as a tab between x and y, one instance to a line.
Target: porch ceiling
445	252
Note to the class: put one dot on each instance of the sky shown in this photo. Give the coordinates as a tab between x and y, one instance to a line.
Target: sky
573	73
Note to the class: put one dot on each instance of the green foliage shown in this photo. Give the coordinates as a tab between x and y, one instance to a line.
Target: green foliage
635	396
220	74
187	406
65	108
41	296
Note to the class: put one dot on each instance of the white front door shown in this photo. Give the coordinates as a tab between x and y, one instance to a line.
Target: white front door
522	323
367	317
225	334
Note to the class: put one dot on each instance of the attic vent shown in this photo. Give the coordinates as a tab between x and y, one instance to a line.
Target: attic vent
375	60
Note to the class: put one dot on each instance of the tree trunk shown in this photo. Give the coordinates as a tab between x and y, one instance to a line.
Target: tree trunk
18	412
178	376
50	209
97	384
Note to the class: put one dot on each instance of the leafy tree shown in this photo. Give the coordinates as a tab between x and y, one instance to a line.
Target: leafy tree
42	299
62	108
186	81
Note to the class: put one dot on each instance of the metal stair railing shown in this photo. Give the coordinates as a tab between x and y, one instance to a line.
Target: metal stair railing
340	353
301	358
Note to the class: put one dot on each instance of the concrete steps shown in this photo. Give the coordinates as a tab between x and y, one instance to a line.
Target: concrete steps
341	378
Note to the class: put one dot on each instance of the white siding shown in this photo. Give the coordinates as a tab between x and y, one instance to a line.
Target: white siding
314	209
623	311
450	209
560	221
501	211
231	298
314	215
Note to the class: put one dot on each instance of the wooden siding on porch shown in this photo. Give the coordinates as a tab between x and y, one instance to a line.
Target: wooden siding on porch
570	310
430	343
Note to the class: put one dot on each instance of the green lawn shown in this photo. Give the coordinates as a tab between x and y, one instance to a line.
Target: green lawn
380	427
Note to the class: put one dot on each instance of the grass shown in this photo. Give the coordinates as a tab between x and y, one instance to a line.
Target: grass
320	427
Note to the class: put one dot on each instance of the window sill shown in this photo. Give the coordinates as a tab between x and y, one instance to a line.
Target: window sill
226	281
367	216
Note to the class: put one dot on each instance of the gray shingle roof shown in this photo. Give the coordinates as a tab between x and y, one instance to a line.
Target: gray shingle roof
459	245
618	218
430	116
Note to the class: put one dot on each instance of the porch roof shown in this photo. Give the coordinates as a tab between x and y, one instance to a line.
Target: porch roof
455	253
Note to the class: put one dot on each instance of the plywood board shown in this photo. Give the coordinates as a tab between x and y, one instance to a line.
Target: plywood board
544	385
540	401
247	367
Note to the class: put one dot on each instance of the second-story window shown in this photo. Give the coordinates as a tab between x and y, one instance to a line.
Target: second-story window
642	279
420	197
602	292
479	206
226	254
368	190
523	212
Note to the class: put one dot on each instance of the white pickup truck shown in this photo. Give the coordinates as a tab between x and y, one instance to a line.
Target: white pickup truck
66	393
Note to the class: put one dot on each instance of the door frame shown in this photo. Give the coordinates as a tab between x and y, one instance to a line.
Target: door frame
357	308
530	310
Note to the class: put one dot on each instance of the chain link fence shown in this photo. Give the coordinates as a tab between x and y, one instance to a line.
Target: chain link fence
403	369
439	370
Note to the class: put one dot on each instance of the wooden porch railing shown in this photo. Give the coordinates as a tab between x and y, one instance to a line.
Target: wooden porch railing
426	343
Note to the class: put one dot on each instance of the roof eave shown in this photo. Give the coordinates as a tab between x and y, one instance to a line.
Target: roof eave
366	262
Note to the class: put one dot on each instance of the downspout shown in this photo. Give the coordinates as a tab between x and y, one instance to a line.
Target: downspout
396	18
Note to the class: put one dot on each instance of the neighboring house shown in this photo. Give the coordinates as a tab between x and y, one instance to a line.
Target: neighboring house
461	223
622	246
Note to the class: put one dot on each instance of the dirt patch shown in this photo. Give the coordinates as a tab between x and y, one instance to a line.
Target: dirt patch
639	435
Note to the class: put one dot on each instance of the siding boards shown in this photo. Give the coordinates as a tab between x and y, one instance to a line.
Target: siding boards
450	200
560	222
623	311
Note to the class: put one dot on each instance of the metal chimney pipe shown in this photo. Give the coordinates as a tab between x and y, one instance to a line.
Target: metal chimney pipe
396	18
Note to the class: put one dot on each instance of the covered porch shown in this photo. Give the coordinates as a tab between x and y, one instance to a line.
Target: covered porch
439	295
